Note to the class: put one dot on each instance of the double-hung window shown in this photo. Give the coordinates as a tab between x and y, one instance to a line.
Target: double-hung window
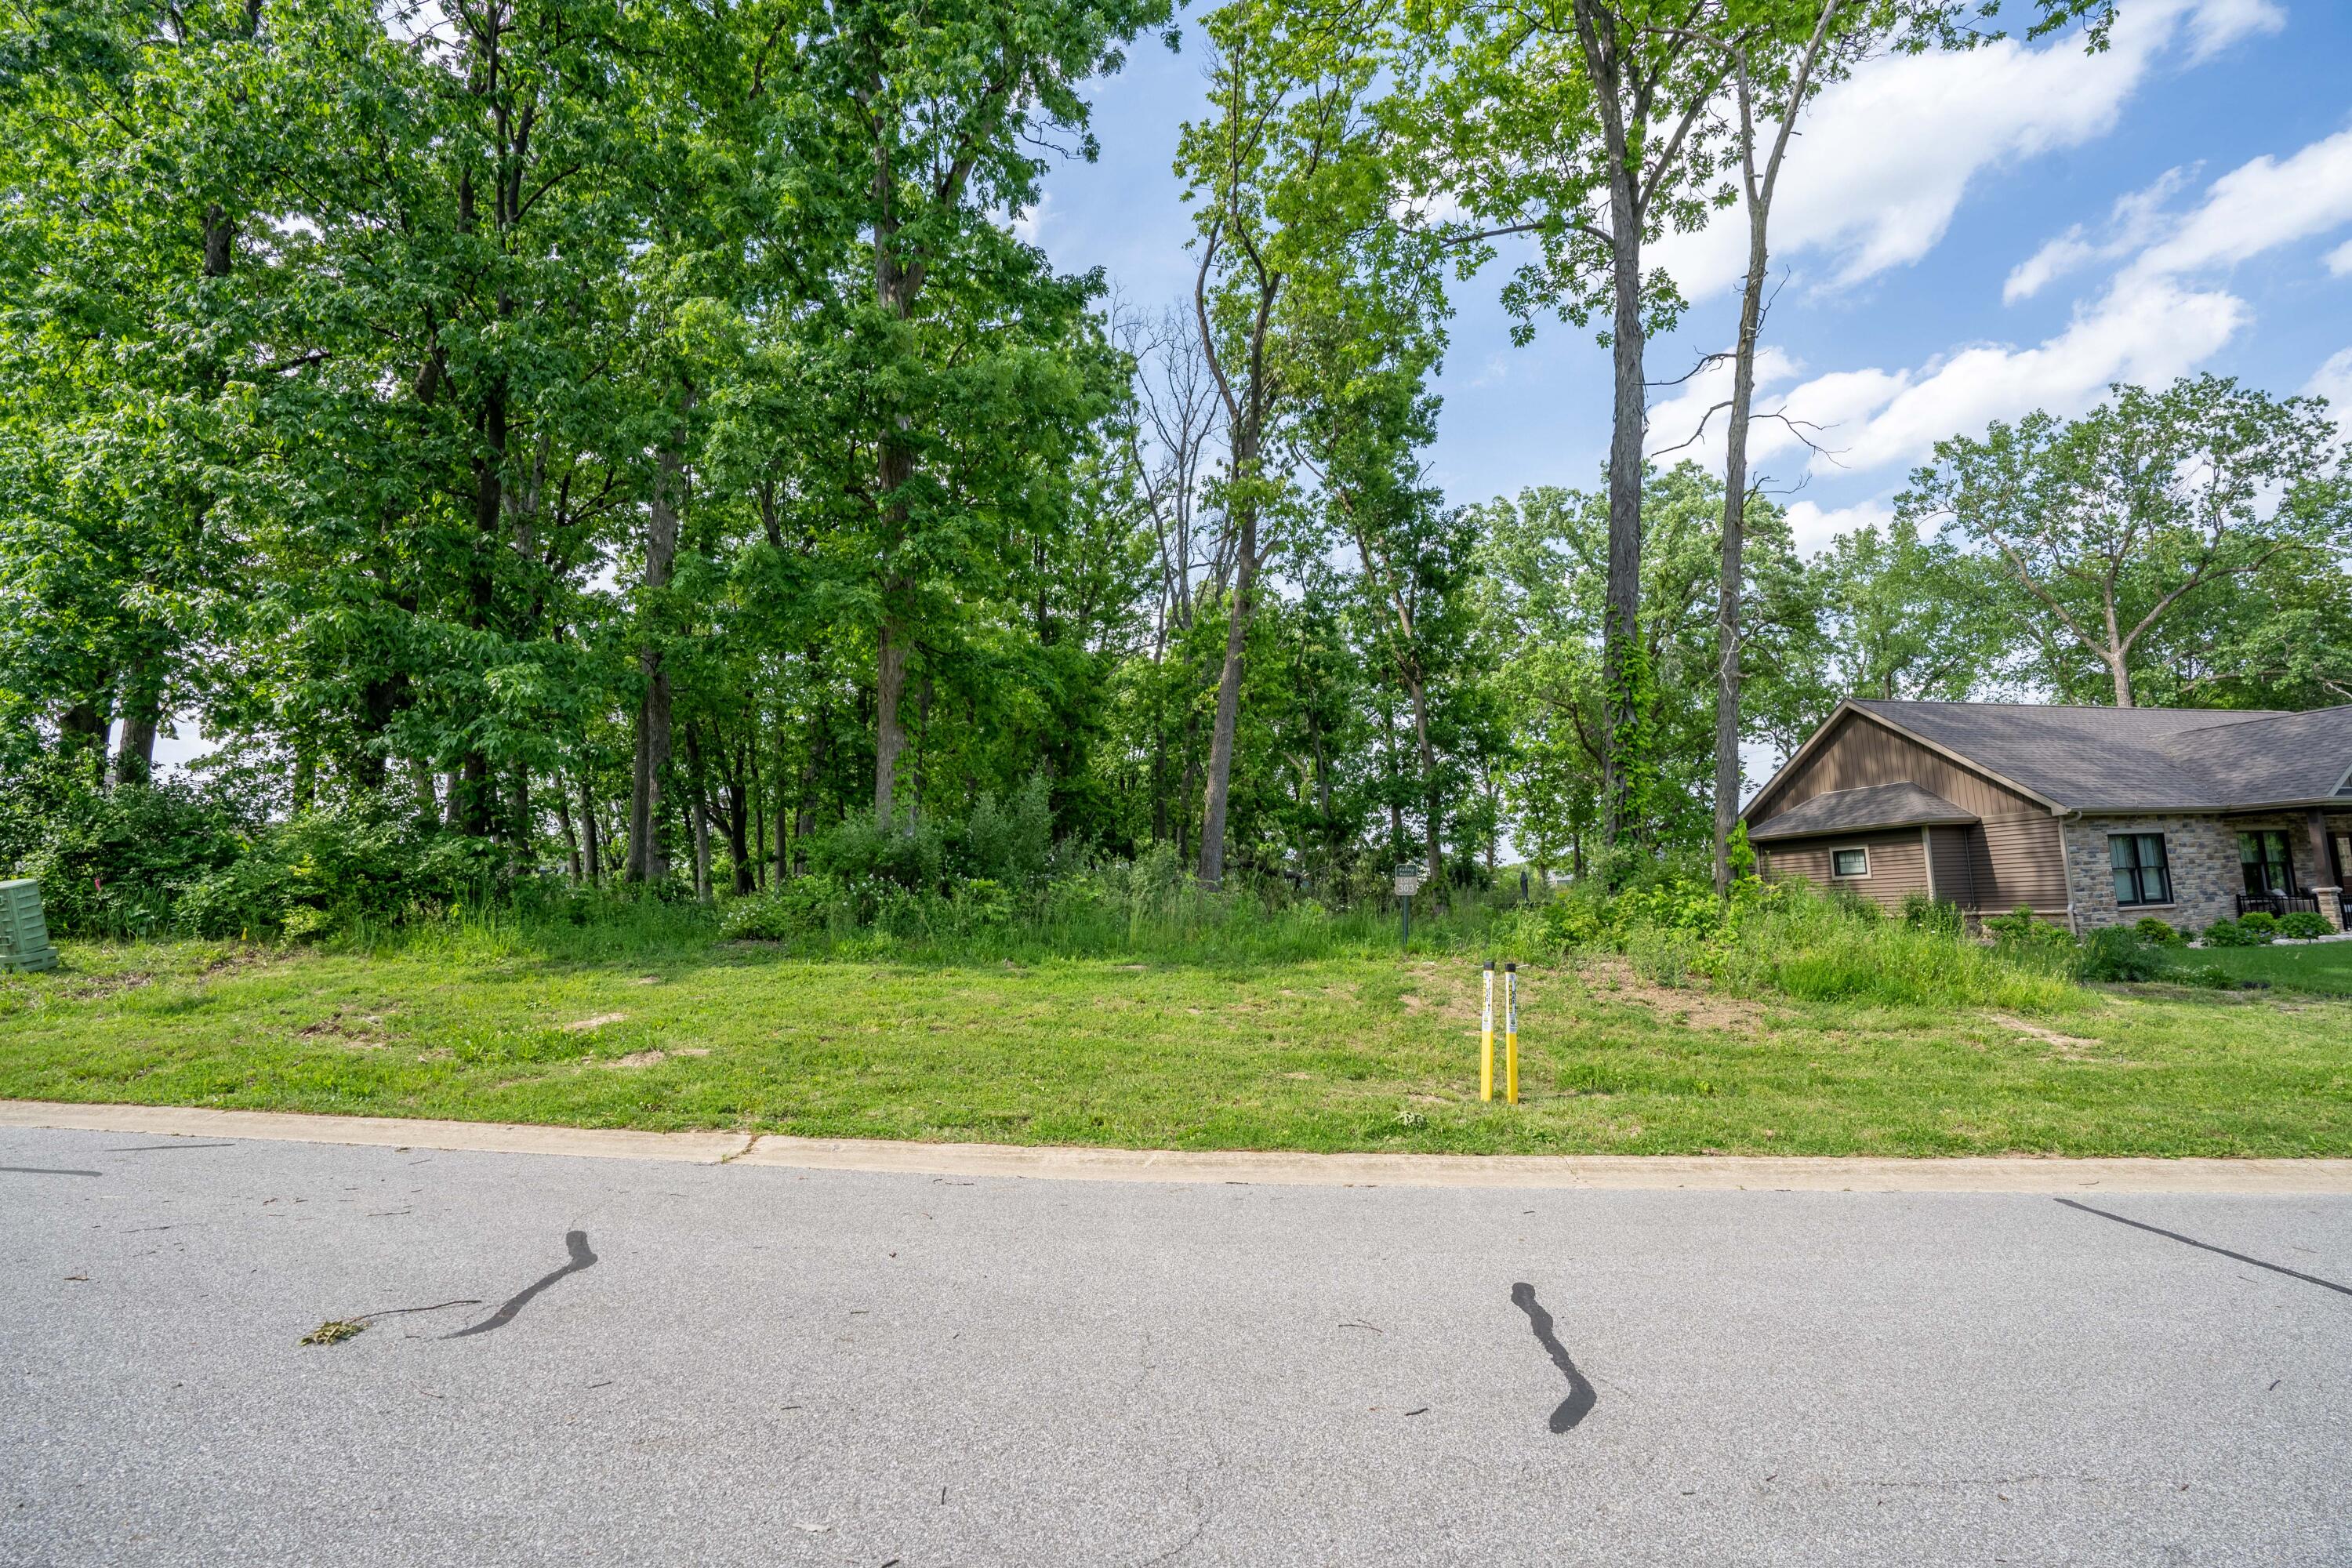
2263	856
2142	874
1849	862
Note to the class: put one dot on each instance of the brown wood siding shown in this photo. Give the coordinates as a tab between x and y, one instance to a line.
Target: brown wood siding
2019	860
1953	875
1860	751
1898	863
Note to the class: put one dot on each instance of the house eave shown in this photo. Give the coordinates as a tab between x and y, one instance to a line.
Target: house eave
1768	836
1849	704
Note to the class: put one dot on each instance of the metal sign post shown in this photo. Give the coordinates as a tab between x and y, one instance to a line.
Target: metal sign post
1408	883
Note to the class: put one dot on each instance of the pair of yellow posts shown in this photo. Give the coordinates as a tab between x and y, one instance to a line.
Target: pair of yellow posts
1510	1036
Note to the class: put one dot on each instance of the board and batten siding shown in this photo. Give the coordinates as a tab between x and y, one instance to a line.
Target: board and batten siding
1861	751
2015	854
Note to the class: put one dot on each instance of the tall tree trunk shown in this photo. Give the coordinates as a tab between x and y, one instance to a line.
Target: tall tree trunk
571	839
890	736
1433	807
648	862
520	829
81	730
1731	587
591	849
739	847
1621	617
142	703
1229	704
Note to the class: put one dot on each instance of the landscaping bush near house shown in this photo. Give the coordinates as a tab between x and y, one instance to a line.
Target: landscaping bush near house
2122	954
2304	925
2019	930
2259	928
2159	932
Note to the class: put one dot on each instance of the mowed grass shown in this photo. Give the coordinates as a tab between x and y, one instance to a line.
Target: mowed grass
1335	1055
2323	968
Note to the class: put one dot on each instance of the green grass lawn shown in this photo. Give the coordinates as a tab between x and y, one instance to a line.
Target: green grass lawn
1339	1054
2321	967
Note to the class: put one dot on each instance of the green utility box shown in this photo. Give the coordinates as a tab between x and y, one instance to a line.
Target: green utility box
24	934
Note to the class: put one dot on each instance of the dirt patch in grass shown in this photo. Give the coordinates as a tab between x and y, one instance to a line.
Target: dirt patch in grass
1689	1007
653	1058
94	986
2071	1046
598	1022
358	1034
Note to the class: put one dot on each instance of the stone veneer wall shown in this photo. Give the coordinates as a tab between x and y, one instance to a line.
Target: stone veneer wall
2202	851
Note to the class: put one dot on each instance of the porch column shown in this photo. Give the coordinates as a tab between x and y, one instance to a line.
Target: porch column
2329	898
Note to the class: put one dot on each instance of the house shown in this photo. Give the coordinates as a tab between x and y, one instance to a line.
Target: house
2089	816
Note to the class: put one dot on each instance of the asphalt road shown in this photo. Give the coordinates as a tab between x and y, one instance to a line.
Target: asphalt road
671	1363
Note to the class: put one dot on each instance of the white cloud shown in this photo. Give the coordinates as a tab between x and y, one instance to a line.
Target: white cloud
1030	222
2147	330
2339	261
1883	159
1814	528
2332	381
1692	421
2221	23
2258	206
2133	221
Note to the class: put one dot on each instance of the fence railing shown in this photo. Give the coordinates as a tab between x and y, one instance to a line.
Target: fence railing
2277	903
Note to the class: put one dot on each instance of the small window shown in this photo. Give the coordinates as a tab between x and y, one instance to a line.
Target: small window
1849	862
2143	875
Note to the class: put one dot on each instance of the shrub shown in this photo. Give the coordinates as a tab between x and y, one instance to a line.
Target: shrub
2223	933
1012	844
2259	928
2157	933
910	855
1925	913
2304	925
801	907
2019	930
2121	952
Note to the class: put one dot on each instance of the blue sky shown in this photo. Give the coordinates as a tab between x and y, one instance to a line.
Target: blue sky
2188	194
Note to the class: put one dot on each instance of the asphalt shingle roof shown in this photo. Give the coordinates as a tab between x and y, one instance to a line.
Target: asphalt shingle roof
1852	810
2141	759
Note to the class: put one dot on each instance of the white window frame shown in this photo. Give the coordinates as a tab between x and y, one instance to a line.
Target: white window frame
1861	875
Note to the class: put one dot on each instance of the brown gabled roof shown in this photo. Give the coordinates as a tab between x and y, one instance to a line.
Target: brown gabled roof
1858	810
2140	759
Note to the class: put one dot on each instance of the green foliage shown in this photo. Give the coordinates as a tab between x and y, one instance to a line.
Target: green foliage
2159	932
2258	928
2122	954
2228	934
2122	531
2304	925
1932	914
2019	931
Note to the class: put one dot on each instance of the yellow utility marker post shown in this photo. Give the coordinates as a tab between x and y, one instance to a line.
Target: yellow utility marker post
1511	1032
1486	1038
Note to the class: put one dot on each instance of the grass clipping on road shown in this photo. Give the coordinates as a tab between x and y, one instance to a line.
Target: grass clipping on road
1345	1053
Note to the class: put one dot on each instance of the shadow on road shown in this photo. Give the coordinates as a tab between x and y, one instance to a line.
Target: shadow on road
1581	1397
577	1241
2209	1246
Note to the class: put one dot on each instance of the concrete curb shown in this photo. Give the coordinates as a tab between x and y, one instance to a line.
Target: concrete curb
1592	1172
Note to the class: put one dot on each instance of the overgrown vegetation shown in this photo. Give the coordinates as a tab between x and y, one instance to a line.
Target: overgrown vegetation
647	1018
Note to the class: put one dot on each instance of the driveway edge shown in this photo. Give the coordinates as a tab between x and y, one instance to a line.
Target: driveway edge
1594	1172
